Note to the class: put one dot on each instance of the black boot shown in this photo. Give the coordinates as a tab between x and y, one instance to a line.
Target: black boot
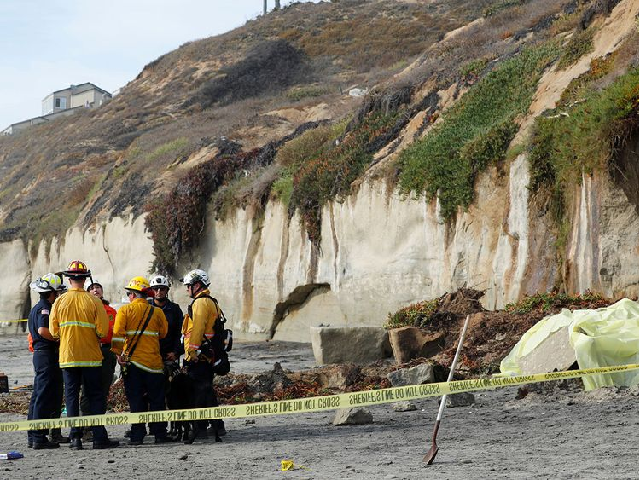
190	434
76	444
44	444
56	436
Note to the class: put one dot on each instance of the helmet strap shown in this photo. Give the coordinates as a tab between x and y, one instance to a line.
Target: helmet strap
194	292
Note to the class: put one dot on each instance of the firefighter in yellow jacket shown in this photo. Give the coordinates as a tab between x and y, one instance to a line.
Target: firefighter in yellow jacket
136	340
78	319
198	325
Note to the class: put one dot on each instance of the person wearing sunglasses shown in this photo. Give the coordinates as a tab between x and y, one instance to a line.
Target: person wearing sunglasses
170	346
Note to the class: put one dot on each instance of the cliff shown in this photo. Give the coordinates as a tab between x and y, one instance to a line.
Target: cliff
285	249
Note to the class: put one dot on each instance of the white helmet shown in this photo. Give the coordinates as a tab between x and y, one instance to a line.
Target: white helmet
47	283
159	281
196	275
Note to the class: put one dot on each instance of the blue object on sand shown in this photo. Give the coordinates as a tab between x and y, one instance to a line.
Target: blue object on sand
12	455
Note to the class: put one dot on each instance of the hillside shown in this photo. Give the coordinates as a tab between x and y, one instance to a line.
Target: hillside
253	85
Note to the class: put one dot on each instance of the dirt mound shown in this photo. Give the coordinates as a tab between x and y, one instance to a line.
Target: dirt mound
492	334
241	388
453	307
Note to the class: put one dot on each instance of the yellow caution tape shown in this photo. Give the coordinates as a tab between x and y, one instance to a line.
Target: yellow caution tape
15	321
310	404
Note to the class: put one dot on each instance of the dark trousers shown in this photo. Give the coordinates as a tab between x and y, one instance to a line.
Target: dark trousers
137	383
202	393
74	378
108	368
46	398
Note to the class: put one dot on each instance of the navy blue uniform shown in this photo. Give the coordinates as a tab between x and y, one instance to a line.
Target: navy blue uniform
173	340
46	399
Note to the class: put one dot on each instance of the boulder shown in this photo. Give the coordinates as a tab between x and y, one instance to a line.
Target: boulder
358	345
411	342
464	399
339	376
352	416
554	353
404	406
358	92
412	376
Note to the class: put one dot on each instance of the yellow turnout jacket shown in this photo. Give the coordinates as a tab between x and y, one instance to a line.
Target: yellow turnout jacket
201	325
78	319
128	322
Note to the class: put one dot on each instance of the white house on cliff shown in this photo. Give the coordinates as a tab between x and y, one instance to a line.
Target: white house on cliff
63	102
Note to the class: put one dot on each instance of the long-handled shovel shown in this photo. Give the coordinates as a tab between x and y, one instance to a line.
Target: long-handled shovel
430	456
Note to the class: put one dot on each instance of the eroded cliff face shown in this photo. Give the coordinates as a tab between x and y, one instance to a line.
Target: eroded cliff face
379	251
115	252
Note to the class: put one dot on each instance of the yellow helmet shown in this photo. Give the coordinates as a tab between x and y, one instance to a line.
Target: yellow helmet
47	283
138	284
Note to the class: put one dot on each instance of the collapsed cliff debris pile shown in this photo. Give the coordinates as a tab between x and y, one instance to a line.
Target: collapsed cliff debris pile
491	334
280	384
117	401
15	402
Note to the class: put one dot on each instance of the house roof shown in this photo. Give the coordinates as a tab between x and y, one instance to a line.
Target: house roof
79	88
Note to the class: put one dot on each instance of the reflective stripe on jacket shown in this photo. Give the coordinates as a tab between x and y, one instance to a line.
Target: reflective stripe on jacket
78	319
128	320
195	329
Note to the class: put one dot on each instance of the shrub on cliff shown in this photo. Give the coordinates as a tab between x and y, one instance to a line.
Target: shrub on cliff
176	220
269	67
583	136
331	173
475	132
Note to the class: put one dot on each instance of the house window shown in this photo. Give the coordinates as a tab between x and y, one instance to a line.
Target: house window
61	102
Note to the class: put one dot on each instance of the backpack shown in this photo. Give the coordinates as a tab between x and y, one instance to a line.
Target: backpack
220	344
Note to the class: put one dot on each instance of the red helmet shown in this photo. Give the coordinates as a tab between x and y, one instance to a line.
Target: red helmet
77	269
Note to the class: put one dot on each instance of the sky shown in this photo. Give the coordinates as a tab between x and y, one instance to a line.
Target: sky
47	45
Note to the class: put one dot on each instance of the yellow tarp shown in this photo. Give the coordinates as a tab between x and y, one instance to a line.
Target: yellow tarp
601	338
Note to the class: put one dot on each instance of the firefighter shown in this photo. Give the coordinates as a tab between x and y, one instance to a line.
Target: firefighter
136	340
197	326
78	319
108	357
56	433
47	384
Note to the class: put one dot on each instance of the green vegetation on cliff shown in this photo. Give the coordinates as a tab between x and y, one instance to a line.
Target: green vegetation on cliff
584	132
414	315
329	174
475	132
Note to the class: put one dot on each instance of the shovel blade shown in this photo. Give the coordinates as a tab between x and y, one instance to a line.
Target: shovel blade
429	458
